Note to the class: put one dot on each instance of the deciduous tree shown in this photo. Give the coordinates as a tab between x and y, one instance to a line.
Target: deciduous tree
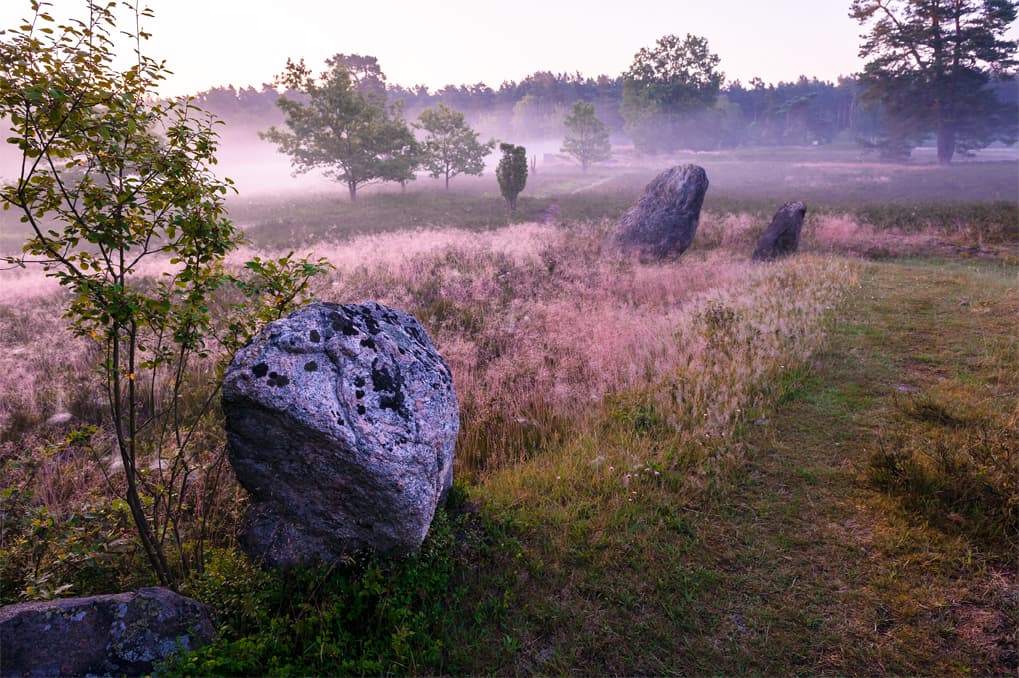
344	124
451	147
931	67
588	138
665	85
110	178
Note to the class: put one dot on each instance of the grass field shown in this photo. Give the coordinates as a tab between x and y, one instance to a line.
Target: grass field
702	467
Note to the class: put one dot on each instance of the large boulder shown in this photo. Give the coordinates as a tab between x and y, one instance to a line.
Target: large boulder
341	423
664	221
119	634
782	236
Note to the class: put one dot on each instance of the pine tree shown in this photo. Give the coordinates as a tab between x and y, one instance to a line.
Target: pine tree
932	66
512	172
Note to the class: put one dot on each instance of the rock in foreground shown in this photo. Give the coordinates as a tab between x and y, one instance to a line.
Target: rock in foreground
782	236
664	221
341	423
120	634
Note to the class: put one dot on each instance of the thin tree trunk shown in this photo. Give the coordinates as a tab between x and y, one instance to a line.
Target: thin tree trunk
946	142
126	445
352	187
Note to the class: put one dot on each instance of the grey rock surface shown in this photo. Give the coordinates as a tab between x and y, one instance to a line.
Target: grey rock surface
664	221
341	422
782	237
119	634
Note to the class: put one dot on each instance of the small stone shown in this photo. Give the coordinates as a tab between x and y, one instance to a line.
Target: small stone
59	418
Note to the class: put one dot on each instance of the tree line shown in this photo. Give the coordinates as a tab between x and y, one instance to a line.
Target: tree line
938	72
937	69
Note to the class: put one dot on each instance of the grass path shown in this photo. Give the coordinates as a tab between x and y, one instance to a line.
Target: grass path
800	564
825	572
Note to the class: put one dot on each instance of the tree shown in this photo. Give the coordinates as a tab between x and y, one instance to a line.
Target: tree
343	123
932	65
512	172
451	147
110	178
588	137
664	86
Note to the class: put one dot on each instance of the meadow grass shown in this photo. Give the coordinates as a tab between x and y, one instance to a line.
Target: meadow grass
705	466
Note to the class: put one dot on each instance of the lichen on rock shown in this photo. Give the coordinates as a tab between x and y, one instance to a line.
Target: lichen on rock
341	422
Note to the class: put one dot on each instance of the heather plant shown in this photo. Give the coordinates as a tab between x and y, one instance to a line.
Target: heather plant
539	330
110	179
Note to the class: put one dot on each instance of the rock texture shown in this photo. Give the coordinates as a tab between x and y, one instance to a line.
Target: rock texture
664	221
124	633
782	236
341	423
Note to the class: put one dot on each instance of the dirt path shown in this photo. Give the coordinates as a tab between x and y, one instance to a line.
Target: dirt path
592	185
824	572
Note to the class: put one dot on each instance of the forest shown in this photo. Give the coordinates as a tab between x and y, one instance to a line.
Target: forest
802	113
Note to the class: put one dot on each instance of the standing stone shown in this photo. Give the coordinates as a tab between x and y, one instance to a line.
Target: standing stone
120	634
341	422
664	221
782	236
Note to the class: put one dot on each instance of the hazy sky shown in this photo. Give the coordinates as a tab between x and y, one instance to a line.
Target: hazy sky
438	42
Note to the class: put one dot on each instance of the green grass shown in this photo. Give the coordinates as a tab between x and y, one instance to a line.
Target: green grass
786	557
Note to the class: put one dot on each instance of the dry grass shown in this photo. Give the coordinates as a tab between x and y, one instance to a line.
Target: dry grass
539	329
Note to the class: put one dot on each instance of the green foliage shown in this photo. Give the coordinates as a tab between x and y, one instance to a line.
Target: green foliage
986	222
512	172
931	67
588	137
369	615
451	147
664	86
46	553
112	177
342	123
638	413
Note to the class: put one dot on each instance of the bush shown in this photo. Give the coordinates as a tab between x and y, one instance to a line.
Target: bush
51	551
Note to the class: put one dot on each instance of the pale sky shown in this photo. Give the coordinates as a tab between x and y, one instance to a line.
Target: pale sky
438	42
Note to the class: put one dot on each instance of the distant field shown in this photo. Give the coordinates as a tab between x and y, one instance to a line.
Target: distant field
278	209
755	181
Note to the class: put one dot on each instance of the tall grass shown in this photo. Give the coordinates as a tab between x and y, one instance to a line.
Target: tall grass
539	329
